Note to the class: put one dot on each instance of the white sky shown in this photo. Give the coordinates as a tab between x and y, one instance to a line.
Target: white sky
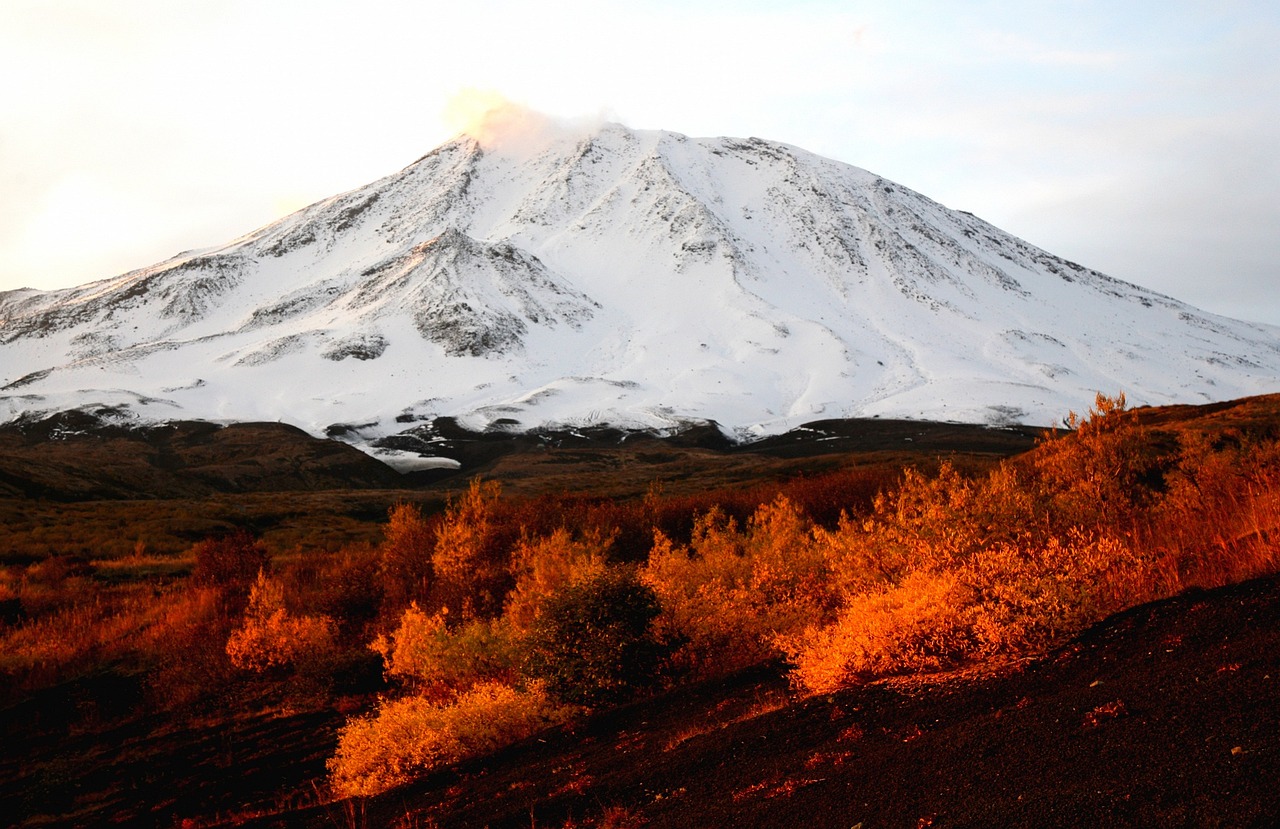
1139	138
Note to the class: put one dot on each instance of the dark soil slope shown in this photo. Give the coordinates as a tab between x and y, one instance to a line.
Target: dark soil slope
1166	715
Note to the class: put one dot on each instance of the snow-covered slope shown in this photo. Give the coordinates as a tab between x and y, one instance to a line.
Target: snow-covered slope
633	278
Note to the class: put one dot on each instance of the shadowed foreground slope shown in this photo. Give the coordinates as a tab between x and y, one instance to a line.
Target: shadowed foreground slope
1165	715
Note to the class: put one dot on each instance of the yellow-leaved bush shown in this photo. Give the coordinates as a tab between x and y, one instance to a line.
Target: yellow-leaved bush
411	736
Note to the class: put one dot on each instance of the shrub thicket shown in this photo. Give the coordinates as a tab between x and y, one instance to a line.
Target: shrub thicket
494	616
728	594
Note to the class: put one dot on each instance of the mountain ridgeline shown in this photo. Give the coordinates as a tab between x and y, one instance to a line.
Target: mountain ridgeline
635	279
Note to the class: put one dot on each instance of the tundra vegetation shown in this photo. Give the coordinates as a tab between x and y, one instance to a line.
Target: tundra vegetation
495	617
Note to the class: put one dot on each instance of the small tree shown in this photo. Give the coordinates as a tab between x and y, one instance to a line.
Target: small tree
464	553
405	557
593	643
272	637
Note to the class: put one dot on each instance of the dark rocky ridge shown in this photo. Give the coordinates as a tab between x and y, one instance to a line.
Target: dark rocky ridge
80	456
83	455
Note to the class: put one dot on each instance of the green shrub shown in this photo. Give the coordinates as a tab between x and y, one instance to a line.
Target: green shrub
594	643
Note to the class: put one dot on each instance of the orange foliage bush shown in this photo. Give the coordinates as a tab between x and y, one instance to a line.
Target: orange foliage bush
405	556
731	592
543	566
1002	600
1104	471
437	661
466	560
949	569
1219	521
272	637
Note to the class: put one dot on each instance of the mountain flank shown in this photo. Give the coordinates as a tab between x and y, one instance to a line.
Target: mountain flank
624	279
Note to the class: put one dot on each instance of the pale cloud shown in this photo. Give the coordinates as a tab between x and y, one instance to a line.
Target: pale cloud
1018	48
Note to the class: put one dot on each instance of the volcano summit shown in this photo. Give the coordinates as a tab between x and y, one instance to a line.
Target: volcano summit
640	279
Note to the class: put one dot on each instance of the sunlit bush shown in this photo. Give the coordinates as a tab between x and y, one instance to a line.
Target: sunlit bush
272	637
1103	471
466	555
1002	600
437	661
731	592
544	566
1220	518
404	566
923	622
414	735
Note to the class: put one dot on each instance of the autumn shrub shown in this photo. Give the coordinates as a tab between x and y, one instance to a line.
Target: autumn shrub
1219	519
411	736
436	661
1002	600
543	566
467	554
231	561
593	643
922	622
949	568
404	557
728	594
824	498
948	565
271	637
1104	471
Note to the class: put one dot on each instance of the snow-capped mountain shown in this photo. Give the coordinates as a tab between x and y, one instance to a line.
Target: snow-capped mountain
635	278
